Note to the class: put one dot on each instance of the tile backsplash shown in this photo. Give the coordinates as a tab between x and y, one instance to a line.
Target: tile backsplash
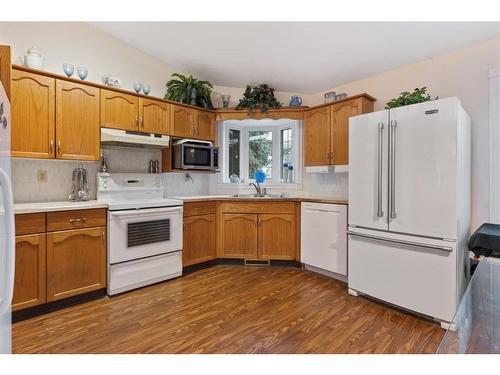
57	187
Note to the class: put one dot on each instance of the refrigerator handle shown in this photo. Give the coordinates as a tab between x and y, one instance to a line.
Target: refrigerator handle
10	241
380	212
393	170
402	242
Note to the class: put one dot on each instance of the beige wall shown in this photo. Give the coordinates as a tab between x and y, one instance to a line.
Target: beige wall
100	53
80	44
462	73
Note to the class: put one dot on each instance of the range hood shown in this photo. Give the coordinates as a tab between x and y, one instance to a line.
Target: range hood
128	138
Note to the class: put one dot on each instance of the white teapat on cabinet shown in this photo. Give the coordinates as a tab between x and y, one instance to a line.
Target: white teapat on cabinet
323	239
409	205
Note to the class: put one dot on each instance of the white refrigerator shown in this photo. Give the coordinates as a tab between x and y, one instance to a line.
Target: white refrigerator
7	231
409	206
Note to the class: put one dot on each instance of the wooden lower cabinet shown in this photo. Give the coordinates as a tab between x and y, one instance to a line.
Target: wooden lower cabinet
76	262
277	236
257	232
29	282
199	239
239	235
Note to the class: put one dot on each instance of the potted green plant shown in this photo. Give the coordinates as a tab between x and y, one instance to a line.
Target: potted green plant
407	98
258	97
189	90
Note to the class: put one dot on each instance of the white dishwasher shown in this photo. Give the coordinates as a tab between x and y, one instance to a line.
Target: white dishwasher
323	239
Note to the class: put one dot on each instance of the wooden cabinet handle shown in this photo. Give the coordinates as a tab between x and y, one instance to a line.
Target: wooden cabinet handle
327	156
58	147
51	146
137	121
141	122
78	220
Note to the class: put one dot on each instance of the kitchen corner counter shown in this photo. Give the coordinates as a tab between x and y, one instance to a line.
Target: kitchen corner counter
203	198
27	208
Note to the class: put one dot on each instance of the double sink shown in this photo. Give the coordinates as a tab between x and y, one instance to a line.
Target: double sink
260	196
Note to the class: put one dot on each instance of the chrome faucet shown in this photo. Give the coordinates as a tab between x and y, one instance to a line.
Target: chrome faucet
258	188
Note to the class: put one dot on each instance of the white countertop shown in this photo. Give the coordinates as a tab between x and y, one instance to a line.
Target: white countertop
26	208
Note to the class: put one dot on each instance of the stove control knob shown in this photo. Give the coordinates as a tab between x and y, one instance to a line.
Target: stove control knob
104	185
158	185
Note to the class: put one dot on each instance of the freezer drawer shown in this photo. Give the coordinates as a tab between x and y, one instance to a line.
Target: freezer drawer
418	278
141	272
323	236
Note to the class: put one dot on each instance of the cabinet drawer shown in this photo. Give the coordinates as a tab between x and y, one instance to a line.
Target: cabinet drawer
199	208
63	220
30	223
259	207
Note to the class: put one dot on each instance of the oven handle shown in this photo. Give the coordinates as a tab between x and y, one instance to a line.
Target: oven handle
145	212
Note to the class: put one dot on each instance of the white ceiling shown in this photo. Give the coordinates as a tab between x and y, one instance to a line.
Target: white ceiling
302	57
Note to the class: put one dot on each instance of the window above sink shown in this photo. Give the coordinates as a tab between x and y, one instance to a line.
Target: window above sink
251	145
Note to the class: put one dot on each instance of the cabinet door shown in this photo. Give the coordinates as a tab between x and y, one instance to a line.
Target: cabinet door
199	239
277	236
29	284
76	262
341	113
154	116
204	127
119	111
317	136
77	121
33	117
239	236
182	121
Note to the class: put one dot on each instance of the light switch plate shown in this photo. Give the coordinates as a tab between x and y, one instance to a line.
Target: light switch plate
41	176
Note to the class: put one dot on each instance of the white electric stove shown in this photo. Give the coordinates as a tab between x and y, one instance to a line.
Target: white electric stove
144	230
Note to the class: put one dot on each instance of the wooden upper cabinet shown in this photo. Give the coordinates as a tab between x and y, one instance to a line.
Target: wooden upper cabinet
77	121
5	68
277	236
119	110
326	130
182	121
199	239
76	262
33	115
239	236
30	276
341	113
204	125
317	136
154	116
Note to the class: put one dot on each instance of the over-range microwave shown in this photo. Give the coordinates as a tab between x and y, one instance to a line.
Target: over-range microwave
195	154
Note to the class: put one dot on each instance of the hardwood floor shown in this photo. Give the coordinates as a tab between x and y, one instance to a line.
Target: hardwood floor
230	309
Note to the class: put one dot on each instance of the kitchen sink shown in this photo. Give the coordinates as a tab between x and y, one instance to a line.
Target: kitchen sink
268	196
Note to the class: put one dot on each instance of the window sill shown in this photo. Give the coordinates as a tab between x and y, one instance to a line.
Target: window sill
239	186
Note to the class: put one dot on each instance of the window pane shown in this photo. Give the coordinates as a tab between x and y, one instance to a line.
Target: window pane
286	149
260	153
234	153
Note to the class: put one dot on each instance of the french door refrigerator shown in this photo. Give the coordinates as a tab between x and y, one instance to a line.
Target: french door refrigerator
409	206
7	236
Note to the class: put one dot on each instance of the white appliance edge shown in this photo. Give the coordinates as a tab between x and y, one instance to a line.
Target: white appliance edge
7	231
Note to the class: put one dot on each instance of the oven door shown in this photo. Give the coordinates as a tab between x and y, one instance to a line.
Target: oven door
135	234
197	156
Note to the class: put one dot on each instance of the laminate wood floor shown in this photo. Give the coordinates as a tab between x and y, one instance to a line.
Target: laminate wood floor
231	309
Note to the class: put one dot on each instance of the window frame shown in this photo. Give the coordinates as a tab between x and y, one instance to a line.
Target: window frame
274	126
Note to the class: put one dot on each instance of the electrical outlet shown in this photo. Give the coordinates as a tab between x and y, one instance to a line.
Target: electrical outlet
41	176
